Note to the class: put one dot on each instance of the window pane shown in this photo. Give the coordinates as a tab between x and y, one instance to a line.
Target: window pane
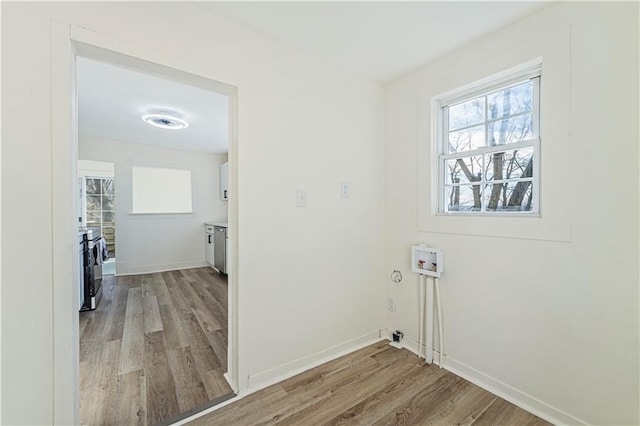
466	114
514	129
107	202
517	163
464	170
93	186
463	198
467	139
107	186
510	101
508	197
93	202
107	217
93	218
109	234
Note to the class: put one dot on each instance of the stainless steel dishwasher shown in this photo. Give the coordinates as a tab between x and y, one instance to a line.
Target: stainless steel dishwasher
220	248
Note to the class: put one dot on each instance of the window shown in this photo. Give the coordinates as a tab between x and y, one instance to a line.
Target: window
100	208
489	143
161	190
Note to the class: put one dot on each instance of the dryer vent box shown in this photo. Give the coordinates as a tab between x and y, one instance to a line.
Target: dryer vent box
426	260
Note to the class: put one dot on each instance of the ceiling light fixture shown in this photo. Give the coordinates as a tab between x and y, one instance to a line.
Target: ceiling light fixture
165	120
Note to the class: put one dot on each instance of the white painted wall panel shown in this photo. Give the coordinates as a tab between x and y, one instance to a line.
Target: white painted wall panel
310	279
551	324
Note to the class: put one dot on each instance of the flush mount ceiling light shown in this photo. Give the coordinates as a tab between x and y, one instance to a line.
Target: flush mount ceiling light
165	120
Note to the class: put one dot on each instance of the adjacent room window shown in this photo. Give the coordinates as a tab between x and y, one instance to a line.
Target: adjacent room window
100	208
161	190
489	144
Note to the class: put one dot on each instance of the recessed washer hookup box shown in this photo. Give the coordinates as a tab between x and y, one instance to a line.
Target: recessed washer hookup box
426	260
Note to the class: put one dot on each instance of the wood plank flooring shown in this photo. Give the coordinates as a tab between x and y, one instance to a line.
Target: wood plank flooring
377	385
155	347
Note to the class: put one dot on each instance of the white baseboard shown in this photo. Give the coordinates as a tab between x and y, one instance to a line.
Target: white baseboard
514	396
123	268
495	386
262	379
234	385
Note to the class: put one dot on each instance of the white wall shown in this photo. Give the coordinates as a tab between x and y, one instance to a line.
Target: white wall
309	278
545	312
96	168
152	242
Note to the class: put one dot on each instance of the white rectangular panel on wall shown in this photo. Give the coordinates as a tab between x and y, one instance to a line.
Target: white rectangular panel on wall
161	190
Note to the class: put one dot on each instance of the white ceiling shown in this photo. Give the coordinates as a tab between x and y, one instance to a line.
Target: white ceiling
112	100
381	40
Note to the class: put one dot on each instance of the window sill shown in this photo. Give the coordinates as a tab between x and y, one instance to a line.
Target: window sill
138	215
489	214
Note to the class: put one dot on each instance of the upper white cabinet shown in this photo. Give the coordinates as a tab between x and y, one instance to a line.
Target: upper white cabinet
224	181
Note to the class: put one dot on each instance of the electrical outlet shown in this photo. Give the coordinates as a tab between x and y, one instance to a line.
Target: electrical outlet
391	304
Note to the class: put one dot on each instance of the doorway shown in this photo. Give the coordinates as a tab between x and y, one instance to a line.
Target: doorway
87	44
159	331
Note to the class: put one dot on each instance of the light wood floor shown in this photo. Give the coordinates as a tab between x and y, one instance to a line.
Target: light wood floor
378	385
155	347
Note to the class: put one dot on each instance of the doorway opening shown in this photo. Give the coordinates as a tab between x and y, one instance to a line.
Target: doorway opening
159	334
67	381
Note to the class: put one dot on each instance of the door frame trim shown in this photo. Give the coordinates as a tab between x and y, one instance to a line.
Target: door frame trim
68	42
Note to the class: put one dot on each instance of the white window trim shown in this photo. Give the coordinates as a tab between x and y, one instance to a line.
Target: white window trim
552	48
528	71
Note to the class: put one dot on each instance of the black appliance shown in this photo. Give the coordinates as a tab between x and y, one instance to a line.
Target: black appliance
92	273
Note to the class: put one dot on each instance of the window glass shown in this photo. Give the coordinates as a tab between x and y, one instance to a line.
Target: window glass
510	101
464	198
510	130
464	169
489	146
509	196
467	139
100	208
512	164
467	114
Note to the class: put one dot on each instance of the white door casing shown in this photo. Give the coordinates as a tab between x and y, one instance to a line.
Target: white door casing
68	42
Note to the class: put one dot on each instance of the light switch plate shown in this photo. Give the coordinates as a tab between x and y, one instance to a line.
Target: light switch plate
301	198
345	190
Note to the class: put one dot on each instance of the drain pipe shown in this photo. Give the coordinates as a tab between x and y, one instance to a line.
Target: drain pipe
426	261
421	325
